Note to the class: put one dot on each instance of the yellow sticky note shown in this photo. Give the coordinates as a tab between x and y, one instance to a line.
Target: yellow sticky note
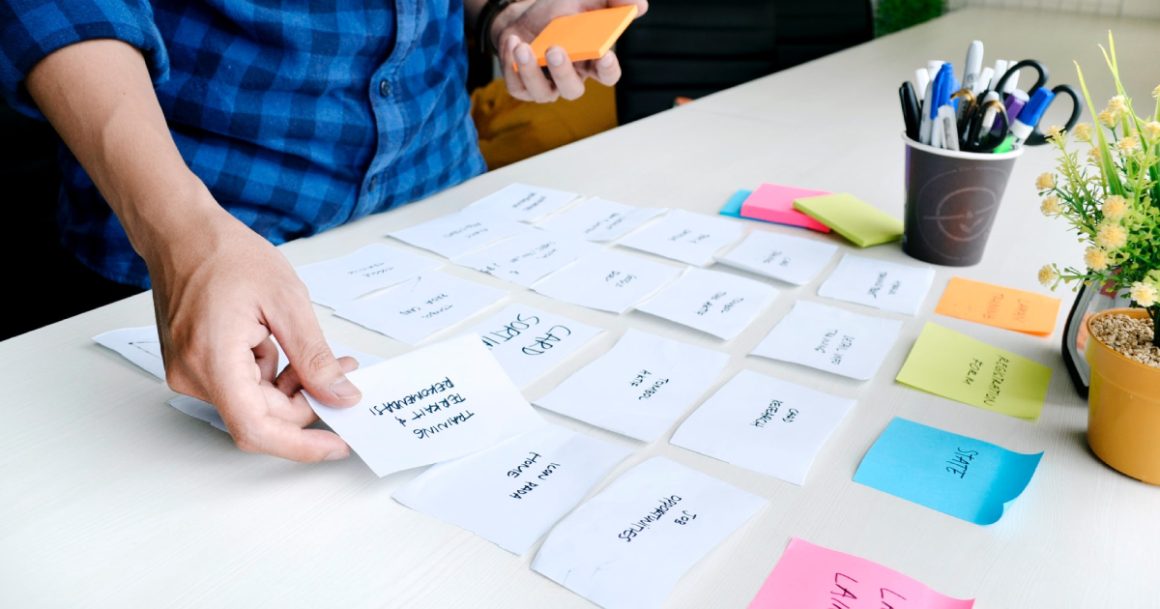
856	220
956	366
999	306
587	35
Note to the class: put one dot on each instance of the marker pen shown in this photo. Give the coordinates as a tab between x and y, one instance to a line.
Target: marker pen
1029	116
973	65
921	80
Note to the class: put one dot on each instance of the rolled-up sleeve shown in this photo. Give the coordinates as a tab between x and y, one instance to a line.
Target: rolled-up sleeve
32	29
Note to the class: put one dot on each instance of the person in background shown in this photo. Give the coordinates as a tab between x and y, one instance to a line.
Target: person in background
201	133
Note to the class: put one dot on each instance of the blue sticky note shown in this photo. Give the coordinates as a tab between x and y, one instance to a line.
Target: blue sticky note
956	475
732	207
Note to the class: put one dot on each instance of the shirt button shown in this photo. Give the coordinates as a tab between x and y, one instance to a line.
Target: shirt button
384	88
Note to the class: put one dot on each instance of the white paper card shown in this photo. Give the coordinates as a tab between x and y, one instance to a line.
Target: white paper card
601	220
765	424
523	202
513	493
430	405
529	342
686	236
608	281
711	301
373	267
140	346
204	411
876	283
790	259
640	387
526	257
627	547
420	307
457	234
831	339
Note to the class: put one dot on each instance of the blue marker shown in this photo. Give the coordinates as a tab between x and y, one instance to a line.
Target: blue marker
1030	115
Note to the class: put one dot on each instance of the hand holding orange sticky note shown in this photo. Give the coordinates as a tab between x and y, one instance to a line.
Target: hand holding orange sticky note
587	35
998	306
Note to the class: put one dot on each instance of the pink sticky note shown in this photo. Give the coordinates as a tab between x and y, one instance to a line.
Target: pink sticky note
813	576
774	203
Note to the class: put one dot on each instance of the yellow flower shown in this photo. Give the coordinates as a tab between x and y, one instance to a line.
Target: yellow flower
1156	92
1115	207
1045	181
1096	259
1128	143
1107	117
1111	236
1118	104
1083	132
1094	155
1047	275
1143	294
1050	206
1152	130
1054	132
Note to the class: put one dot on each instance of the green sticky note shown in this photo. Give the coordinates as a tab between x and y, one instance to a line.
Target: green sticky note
856	220
956	366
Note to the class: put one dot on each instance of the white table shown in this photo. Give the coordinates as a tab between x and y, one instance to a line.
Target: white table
108	498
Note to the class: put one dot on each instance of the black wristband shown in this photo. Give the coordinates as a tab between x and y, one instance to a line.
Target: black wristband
491	9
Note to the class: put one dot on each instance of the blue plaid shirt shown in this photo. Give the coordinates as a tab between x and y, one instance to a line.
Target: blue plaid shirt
299	115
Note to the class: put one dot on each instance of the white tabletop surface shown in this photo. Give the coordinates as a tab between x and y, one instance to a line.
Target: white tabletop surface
109	498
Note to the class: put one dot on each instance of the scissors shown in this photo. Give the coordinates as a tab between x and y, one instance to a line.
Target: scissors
1037	138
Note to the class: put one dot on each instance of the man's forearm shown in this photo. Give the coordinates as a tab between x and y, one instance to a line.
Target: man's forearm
99	97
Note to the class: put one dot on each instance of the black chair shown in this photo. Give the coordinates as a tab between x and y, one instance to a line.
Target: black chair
692	48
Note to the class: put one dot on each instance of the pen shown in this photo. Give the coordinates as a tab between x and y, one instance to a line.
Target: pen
927	118
974	64
948	127
921	79
1015	102
910	110
992	106
984	81
1030	114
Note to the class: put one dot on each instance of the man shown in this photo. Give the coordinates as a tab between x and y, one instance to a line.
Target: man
212	128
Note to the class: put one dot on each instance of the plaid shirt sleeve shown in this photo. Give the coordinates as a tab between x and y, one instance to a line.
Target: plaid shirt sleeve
32	29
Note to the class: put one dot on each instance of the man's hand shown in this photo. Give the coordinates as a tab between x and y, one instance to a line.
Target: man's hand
518	25
221	293
220	290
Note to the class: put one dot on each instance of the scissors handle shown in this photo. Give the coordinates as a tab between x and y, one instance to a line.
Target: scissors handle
1040	70
1037	138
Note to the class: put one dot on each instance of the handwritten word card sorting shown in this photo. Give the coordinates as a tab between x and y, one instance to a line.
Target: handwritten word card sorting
335	282
140	345
513	493
956	475
204	411
686	236
456	234
640	387
627	547
523	202
831	339
601	220
956	366
526	257
717	303
999	306
813	576
889	286
529	342
764	424
607	280
430	405
790	259
420	307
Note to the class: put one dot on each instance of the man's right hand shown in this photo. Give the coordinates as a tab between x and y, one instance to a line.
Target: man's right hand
221	294
220	290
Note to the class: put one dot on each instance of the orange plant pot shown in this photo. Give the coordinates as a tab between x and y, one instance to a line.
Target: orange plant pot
1123	408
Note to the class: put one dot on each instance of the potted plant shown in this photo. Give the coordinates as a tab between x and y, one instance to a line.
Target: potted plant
1110	194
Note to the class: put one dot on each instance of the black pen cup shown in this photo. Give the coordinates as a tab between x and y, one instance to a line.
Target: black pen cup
952	199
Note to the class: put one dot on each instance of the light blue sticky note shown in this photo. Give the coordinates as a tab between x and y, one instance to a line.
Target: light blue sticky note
732	207
956	475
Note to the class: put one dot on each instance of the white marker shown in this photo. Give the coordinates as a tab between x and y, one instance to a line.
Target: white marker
921	80
984	81
949	127
974	65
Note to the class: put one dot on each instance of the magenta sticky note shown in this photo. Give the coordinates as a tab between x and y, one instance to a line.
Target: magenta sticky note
774	203
813	576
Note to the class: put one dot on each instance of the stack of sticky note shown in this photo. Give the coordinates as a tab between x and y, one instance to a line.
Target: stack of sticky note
774	203
859	222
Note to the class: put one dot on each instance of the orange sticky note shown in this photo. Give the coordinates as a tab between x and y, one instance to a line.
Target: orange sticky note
587	35
998	306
